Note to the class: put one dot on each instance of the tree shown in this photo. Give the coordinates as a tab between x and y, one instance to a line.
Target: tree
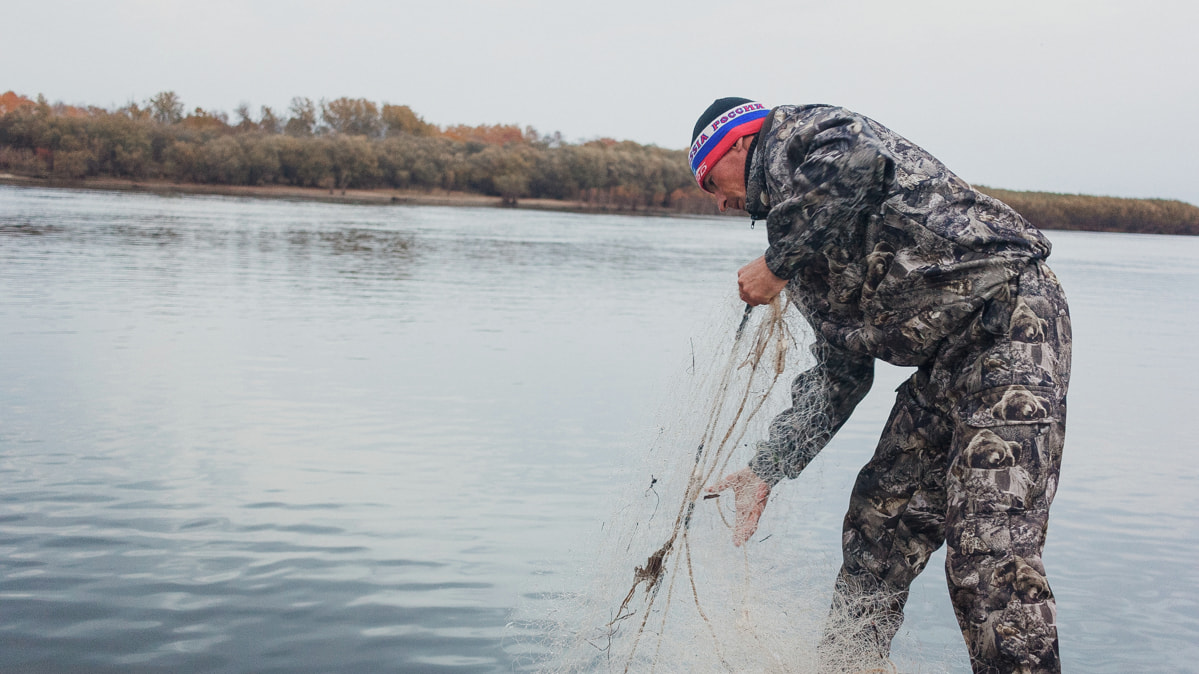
489	134
303	117
244	121
122	146
221	161
268	122
133	111
43	107
352	116
510	186
167	107
203	120
10	101
401	119
179	161
260	158
353	162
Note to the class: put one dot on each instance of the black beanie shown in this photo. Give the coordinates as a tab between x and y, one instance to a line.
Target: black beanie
718	107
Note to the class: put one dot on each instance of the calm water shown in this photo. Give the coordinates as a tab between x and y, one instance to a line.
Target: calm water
244	435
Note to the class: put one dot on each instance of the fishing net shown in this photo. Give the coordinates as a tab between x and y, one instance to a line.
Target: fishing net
670	592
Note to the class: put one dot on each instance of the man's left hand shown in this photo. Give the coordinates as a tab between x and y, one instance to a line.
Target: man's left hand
758	285
749	498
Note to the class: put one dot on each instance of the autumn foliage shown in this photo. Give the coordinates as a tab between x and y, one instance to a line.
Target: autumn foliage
497	134
11	102
356	143
337	144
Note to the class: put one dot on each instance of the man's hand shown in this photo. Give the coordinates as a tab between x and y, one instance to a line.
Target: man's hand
749	496
758	285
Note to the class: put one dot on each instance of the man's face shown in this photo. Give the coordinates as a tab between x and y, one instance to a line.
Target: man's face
726	180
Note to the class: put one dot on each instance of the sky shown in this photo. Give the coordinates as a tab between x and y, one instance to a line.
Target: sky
1080	96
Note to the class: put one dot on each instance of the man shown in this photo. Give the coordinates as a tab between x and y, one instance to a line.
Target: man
889	255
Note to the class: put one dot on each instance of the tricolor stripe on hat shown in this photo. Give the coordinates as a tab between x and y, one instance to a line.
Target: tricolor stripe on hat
715	138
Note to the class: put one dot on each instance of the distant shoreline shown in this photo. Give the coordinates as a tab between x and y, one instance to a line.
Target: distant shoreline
375	197
1047	211
355	152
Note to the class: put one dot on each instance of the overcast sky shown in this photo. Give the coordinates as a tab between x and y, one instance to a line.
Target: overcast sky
1091	96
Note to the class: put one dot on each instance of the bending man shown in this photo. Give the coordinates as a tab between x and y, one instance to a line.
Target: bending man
889	255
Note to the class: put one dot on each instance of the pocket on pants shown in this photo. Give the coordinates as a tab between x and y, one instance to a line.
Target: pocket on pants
1013	405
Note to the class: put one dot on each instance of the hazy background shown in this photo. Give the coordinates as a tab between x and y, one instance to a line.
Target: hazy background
1096	97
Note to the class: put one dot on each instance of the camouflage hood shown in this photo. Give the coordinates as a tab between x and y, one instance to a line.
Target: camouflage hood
887	250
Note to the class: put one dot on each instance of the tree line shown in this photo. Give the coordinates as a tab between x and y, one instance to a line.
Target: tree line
1048	210
354	143
346	143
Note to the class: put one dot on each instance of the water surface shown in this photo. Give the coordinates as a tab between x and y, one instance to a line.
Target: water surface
242	435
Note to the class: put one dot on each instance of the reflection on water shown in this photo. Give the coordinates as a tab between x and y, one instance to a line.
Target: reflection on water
274	436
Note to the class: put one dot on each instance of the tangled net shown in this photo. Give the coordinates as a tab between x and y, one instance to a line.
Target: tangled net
696	603
771	342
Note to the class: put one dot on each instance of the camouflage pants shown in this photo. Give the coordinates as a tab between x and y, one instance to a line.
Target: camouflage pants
969	457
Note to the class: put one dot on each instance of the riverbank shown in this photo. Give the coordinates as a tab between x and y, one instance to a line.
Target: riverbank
1046	210
359	153
1086	213
376	197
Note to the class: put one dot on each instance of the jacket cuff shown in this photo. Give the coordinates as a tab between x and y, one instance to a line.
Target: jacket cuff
768	464
778	264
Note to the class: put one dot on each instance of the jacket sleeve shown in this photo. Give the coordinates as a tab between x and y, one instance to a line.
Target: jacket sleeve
840	173
822	399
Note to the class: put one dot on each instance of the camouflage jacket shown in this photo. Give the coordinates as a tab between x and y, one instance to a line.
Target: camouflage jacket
888	253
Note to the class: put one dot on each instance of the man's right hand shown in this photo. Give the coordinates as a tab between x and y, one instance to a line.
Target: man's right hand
757	284
749	497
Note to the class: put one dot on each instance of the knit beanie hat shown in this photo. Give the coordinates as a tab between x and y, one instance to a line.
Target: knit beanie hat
721	125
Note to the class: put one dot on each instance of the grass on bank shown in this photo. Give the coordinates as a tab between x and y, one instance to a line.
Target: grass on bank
1048	210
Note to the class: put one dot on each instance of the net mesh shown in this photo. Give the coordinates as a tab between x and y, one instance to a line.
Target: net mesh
668	591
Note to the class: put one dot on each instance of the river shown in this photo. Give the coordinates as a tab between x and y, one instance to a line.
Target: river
269	436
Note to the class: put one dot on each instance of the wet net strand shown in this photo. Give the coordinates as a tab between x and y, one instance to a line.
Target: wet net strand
695	602
772	338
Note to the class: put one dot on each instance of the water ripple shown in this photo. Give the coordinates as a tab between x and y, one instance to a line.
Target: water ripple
242	436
